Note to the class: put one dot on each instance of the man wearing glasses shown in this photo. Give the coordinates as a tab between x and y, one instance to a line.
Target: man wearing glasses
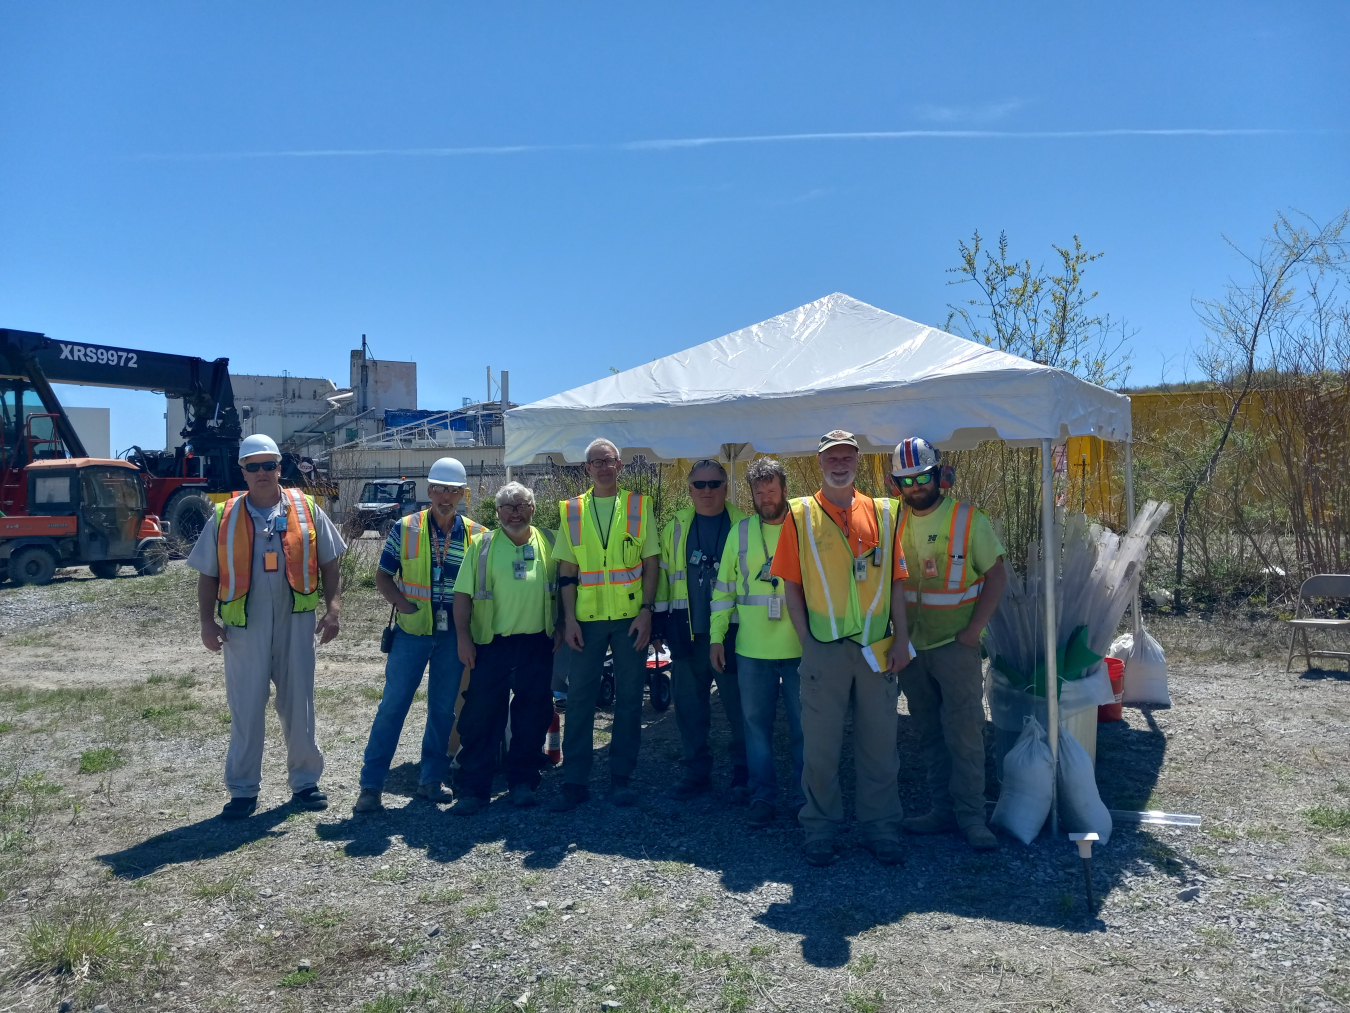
955	582
416	575
691	551
504	612
607	553
264	558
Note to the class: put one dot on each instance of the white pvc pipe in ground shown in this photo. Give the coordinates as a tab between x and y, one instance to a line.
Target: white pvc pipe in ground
1050	557
1135	618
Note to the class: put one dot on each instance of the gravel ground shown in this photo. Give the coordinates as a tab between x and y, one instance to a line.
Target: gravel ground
667	906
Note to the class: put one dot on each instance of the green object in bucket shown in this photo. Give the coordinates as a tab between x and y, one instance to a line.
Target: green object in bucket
1074	659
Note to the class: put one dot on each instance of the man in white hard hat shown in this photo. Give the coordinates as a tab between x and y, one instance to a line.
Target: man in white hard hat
417	572
265	557
954	582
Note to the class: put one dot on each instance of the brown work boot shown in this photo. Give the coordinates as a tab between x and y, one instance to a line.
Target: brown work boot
571	796
981	838
434	791
369	801
931	822
820	852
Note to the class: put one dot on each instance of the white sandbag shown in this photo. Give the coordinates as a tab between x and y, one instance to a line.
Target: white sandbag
1145	670
1028	783
1080	804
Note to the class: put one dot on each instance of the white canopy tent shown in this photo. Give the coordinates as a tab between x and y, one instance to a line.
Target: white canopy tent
836	363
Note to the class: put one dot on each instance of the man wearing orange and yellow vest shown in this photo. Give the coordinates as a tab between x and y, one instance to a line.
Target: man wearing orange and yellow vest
955	582
607	573
264	558
837	556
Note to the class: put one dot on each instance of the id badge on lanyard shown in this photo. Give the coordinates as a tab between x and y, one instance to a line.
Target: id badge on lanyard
442	621
775	607
860	569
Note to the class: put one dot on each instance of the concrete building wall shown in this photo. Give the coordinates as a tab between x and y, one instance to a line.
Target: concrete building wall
383	383
94	427
277	406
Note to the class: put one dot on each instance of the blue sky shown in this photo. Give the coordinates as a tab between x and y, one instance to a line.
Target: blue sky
468	184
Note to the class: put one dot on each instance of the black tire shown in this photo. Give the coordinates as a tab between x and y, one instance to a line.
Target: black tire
105	569
186	515
32	565
152	559
384	527
660	689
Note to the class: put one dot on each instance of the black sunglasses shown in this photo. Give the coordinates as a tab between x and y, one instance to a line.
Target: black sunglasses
262	465
909	480
708	483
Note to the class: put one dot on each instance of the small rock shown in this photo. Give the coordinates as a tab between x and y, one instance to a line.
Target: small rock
1190	893
66	1006
303	966
521	999
265	892
572	847
567	905
541	904
102	1008
611	988
611	1004
433	932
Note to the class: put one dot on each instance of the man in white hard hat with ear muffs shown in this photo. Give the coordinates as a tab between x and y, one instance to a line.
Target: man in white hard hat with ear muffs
417	573
265	558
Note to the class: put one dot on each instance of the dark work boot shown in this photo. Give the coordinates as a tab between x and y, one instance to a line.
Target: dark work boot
571	796
740	785
239	808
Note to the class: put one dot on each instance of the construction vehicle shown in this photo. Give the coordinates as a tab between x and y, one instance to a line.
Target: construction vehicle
180	484
384	504
82	511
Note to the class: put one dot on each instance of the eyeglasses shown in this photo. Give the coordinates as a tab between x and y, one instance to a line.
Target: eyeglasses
708	483
604	462
909	480
256	466
520	507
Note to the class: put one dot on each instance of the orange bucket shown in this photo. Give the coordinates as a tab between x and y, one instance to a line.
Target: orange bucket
1115	671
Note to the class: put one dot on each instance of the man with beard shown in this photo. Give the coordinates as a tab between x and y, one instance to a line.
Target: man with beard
765	644
837	556
955	582
692	548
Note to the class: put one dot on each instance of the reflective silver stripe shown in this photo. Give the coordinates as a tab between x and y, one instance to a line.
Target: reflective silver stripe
481	591
719	585
957	569
625	576
743	536
680	603
306	523
678	550
882	584
550	587
820	568
661	606
949	599
662	565
912	596
233	509
591	579
723	606
412	534
573	511
757	599
634	513
677	575
736	618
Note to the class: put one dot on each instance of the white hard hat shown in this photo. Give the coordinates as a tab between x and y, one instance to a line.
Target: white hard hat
258	444
447	471
914	456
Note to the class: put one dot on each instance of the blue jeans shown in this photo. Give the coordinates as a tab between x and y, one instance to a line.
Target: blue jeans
407	660
761	680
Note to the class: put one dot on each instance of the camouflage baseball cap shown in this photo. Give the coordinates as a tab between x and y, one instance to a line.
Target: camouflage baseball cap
836	438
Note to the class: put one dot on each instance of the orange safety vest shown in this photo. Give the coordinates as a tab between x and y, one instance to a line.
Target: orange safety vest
958	583
234	554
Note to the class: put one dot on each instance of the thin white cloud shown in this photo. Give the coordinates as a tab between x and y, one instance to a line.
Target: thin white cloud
677	143
985	113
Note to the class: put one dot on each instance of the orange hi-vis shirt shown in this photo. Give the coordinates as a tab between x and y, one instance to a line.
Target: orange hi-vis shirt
859	525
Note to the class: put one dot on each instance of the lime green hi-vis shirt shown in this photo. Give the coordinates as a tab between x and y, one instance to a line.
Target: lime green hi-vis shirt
757	636
925	540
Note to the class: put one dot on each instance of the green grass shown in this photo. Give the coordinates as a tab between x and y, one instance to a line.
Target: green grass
323	917
1340	849
639	891
157	679
486	906
863	1001
208	891
530	880
449	895
1325	817
674	868
393	874
96	761
54	945
6	726
373	694
1257	901
298	979
863	964
21	699
536	922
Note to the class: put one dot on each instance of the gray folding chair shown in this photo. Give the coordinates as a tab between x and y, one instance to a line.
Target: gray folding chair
1324	585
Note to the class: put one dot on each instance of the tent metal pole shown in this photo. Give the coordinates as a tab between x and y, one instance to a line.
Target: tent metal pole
1050	558
735	489
1136	622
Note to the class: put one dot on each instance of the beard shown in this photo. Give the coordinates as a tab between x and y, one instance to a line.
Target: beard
774	513
923	500
825	476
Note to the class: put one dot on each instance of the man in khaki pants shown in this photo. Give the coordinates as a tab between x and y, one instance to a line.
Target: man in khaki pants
954	582
842	576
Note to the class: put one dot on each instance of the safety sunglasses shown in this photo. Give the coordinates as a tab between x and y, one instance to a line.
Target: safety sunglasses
909	480
708	483
261	466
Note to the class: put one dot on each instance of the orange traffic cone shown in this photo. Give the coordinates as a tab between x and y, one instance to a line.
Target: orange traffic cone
553	741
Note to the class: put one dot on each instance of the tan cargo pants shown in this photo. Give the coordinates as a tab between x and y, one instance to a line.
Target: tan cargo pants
945	690
833	676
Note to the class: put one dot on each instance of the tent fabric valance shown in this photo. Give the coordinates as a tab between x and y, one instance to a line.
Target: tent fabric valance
836	363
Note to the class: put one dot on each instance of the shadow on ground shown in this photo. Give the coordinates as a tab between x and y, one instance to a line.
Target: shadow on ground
1036	885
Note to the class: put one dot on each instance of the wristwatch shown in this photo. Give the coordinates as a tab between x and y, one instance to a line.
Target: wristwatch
647	605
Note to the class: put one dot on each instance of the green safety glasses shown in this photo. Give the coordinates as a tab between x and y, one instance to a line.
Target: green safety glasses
911	480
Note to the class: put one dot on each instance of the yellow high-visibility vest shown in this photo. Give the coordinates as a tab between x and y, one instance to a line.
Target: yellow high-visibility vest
672	588
957	584
414	569
610	582
741	597
478	554
834	596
